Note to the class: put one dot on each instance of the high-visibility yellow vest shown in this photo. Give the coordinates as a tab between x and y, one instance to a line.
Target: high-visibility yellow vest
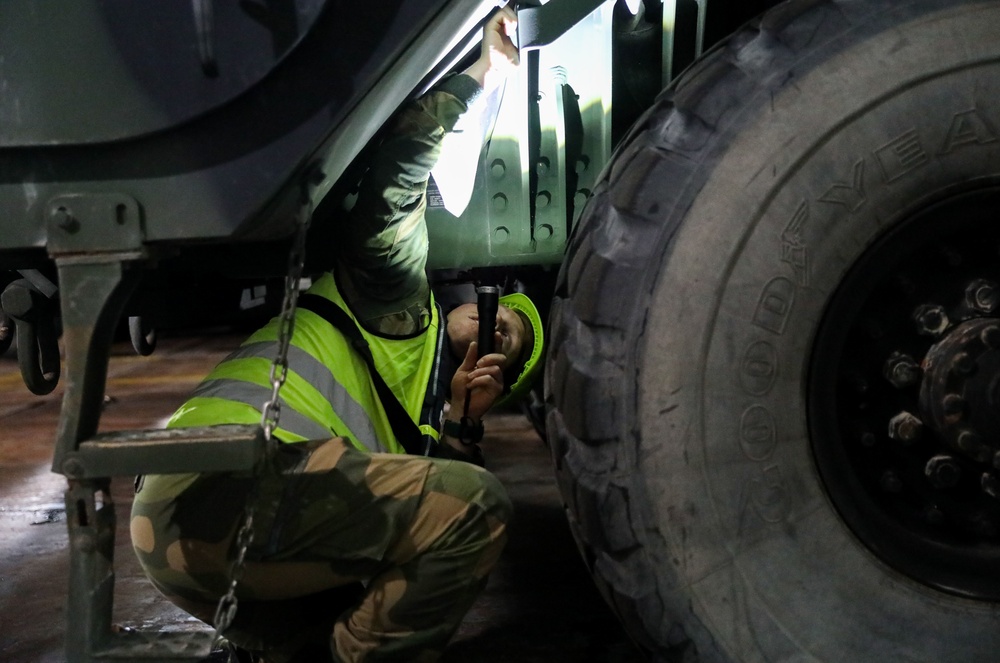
328	391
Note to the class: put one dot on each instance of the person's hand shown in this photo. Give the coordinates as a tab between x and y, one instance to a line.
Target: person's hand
477	384
499	55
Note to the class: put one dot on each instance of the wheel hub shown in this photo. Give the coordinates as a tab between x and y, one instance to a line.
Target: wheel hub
960	392
904	397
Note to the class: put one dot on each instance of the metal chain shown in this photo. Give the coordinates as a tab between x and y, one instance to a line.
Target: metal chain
225	612
271	411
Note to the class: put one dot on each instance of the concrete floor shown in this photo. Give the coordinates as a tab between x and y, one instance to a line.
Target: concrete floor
539	606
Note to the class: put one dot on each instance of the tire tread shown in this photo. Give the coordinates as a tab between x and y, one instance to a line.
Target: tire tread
598	314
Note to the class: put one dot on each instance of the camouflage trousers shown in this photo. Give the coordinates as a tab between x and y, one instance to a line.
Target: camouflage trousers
416	536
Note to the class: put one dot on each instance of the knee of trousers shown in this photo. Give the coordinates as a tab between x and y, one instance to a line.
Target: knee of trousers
465	511
475	487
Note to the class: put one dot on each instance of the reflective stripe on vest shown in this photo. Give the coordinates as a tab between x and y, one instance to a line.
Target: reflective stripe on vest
256	395
318	375
316	400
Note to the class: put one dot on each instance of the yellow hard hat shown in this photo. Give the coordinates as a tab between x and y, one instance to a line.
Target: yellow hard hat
532	368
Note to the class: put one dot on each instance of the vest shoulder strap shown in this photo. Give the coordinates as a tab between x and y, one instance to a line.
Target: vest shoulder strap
403	427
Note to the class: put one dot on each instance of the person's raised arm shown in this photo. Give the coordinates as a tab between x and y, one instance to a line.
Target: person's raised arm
384	254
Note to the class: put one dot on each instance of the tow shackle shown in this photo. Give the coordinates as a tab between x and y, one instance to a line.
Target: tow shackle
37	342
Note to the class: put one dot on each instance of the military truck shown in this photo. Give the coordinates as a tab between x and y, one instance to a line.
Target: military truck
768	232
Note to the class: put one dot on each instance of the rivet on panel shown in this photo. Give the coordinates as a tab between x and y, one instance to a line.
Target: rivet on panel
498	168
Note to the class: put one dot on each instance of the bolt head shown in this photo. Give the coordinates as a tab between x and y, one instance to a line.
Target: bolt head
931	319
953	404
982	295
64	219
990	485
969	441
963	364
991	337
905	427
943	471
901	370
72	468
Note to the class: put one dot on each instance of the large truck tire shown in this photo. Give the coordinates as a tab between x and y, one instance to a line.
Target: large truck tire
773	389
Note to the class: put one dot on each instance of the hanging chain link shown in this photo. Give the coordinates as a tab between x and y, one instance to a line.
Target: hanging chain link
271	411
225	612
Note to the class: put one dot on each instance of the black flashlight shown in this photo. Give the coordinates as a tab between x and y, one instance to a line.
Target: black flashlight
487	303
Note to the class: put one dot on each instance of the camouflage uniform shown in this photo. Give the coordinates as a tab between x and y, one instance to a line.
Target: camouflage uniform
411	538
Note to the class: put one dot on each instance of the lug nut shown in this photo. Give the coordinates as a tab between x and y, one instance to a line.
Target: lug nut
943	471
982	295
991	337
963	364
901	370
931	319
969	441
905	427
990	484
953	404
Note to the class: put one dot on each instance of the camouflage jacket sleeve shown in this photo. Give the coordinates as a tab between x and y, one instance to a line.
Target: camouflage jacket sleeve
382	263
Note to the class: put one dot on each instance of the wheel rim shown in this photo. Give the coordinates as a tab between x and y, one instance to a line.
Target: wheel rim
904	397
